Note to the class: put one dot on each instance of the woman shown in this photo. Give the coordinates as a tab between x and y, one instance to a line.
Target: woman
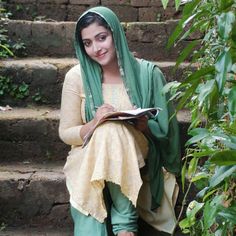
109	78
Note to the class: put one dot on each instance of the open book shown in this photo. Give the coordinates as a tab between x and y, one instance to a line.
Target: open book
127	115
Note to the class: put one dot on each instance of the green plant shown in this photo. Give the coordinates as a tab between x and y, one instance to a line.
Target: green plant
39	98
16	91
210	94
2	226
8	48
5	50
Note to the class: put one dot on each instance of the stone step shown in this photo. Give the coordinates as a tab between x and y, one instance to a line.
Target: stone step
30	135
34	197
70	10
16	231
45	77
69	232
55	39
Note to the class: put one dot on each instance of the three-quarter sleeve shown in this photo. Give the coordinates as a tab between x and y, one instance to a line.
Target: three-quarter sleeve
70	114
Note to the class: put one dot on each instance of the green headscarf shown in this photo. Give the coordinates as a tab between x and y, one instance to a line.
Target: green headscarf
144	83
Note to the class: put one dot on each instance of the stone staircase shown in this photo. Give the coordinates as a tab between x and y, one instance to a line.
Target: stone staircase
33	196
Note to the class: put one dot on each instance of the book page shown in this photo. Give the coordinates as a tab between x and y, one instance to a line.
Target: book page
122	115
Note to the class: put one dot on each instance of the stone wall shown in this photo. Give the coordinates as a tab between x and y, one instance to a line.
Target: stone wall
69	10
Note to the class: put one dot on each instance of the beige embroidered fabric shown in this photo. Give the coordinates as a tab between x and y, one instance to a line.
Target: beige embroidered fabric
115	153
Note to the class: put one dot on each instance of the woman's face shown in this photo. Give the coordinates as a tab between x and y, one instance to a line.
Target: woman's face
99	45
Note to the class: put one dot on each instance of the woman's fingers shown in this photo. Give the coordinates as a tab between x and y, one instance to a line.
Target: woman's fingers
103	110
141	123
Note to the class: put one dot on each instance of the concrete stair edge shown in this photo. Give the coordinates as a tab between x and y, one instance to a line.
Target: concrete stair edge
147	39
36	202
31	134
45	77
34	194
71	10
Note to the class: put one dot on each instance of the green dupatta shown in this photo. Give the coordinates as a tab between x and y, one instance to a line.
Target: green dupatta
144	83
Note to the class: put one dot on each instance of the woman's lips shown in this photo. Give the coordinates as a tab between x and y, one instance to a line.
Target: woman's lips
100	55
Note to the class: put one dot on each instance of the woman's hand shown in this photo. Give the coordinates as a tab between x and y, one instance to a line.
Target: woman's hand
102	111
141	124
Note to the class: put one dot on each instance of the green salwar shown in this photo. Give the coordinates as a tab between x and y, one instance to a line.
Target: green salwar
123	216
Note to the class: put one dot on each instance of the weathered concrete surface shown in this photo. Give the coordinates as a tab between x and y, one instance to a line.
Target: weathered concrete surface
64	10
46	75
33	195
34	200
36	232
55	39
31	135
145	230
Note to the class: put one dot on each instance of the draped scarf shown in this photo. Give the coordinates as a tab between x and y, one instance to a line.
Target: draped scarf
143	82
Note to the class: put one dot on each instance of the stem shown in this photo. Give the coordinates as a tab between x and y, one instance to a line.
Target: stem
7	49
182	207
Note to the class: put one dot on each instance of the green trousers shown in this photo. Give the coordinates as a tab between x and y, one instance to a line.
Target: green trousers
122	216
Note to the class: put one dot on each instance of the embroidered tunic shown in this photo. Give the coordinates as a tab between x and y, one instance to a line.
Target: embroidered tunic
115	153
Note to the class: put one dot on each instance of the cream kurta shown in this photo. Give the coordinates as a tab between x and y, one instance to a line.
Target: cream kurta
115	153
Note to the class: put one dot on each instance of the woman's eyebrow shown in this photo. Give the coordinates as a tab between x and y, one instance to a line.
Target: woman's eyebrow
97	35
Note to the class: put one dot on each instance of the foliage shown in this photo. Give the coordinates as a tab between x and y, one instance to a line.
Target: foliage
8	88
210	94
2	226
7	47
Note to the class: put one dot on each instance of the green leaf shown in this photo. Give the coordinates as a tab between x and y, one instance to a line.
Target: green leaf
193	208
210	211
185	53
225	22
169	86
186	95
165	3
208	194
203	192
174	36
198	74
222	66
198	131
205	90
184	224
203	153
196	138
187	11
199	176
233	68
225	4
229	214
189	7
183	173
221	173
192	166
192	29
7	50
177	4
232	103
224	158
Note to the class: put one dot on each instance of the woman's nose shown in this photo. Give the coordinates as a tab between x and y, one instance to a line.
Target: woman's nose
96	47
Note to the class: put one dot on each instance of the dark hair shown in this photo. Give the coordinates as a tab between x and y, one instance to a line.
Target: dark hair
86	20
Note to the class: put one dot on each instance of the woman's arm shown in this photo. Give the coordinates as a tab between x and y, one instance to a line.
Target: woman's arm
101	111
71	128
70	115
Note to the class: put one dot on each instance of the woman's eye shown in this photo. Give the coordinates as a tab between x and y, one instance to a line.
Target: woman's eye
102	37
86	43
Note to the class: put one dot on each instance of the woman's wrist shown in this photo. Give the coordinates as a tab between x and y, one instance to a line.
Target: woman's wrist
87	127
